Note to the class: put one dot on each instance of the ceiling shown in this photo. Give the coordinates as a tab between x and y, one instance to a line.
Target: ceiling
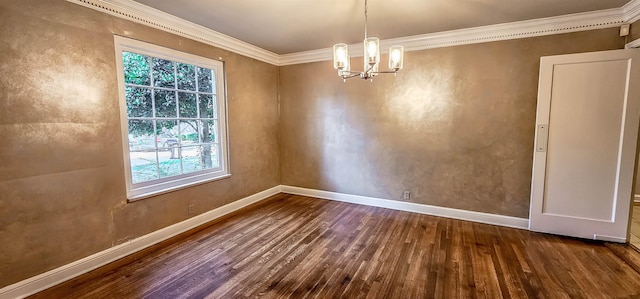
287	26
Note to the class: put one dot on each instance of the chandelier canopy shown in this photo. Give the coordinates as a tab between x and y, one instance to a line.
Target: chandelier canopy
341	58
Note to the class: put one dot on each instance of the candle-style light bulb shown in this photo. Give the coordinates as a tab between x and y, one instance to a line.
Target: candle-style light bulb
396	57
371	51
372	48
340	56
340	53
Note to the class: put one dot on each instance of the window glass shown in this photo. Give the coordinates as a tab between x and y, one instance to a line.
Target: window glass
173	127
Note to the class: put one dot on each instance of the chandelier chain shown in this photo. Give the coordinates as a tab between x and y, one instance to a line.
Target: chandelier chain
366	7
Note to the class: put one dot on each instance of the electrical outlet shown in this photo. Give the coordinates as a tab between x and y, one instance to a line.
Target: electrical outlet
190	210
406	195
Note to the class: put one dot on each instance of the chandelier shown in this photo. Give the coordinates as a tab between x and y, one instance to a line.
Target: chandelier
341	58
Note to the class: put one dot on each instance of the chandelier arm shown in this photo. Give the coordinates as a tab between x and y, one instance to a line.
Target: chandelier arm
385	72
353	75
368	71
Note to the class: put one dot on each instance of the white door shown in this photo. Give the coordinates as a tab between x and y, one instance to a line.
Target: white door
585	148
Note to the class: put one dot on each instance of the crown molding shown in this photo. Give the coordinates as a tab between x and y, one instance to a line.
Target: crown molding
515	30
140	13
631	11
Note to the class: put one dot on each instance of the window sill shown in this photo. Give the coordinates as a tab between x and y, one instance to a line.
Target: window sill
140	196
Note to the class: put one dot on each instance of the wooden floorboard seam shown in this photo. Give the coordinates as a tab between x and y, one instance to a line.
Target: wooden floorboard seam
302	247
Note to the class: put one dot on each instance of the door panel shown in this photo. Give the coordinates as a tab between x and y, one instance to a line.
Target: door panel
588	116
584	165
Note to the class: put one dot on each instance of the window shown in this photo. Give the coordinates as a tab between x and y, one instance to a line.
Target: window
173	112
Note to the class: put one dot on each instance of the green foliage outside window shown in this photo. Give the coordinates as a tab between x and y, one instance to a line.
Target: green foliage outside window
156	89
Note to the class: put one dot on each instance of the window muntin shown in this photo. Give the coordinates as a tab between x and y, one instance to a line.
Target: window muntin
175	118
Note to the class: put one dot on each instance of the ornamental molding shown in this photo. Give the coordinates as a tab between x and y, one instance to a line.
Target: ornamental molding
139	13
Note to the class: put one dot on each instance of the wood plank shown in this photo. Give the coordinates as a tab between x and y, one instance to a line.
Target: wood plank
635	226
300	247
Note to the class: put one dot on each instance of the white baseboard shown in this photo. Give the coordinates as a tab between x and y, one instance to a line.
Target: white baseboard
56	276
61	274
508	221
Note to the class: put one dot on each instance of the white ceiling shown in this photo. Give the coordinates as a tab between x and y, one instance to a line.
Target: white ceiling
287	26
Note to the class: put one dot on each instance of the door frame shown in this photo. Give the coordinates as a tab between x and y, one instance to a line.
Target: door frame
635	44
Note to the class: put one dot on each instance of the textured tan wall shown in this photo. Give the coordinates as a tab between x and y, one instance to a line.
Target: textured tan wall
635	31
62	192
455	127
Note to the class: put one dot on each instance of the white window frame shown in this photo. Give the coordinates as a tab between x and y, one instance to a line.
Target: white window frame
163	185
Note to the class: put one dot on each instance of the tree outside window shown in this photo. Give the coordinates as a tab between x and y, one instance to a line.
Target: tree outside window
173	118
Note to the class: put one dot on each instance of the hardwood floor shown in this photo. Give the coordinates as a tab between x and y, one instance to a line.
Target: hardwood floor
300	247
635	226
